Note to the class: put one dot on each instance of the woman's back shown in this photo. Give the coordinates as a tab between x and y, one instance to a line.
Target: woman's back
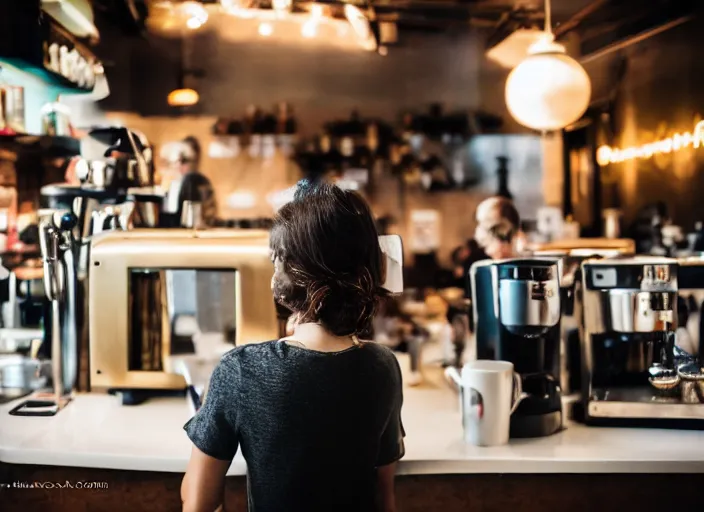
319	424
312	426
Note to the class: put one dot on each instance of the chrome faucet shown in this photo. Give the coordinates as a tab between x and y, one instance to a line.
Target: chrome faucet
57	247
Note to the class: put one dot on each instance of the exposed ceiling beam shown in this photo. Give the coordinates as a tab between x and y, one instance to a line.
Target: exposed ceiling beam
637	38
578	17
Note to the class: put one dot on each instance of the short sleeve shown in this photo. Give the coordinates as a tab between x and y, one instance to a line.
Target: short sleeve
213	430
392	447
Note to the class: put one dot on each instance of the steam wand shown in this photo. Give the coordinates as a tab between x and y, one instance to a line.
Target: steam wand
663	374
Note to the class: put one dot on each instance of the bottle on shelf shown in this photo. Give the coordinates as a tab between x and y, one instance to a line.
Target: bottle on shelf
346	152
408	127
331	159
285	128
254	128
5	128
268	134
502	174
226	141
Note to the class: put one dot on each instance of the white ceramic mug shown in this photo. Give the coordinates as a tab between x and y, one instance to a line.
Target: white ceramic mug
490	392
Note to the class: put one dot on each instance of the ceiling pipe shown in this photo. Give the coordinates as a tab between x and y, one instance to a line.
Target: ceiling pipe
642	36
578	17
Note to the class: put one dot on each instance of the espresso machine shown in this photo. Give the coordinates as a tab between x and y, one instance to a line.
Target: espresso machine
129	322
573	252
634	373
114	192
689	338
516	308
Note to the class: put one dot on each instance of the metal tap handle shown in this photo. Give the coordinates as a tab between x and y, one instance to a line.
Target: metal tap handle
65	221
64	335
48	242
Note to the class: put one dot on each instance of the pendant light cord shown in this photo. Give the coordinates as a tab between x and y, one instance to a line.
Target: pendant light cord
548	17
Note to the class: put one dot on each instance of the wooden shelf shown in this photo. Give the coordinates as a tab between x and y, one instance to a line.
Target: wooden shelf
51	145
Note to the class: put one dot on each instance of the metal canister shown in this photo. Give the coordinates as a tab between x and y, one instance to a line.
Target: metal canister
691	383
191	215
612	223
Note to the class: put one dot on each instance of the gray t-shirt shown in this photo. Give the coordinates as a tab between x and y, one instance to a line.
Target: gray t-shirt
312	426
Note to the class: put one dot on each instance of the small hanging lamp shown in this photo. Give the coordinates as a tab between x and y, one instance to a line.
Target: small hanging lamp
548	90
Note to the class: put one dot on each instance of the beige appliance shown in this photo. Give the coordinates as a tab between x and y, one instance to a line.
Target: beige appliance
129	324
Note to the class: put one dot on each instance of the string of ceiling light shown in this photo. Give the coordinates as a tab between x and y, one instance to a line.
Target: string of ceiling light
182	16
179	17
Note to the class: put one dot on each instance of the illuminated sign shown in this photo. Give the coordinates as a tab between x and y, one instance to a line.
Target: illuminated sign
606	155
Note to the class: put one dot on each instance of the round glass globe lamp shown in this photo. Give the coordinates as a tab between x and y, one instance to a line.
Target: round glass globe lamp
548	90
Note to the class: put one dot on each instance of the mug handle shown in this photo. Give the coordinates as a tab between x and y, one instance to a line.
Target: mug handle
453	376
517	396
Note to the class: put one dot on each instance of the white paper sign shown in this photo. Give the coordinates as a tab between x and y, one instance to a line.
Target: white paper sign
392	247
425	231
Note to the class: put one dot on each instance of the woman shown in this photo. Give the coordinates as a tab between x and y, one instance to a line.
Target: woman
317	414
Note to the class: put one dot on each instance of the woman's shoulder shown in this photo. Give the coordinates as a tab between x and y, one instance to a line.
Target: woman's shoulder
250	351
380	352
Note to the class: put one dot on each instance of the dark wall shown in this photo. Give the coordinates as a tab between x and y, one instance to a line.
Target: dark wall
320	82
662	93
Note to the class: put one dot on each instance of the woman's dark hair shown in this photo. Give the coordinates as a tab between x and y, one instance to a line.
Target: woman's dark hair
333	267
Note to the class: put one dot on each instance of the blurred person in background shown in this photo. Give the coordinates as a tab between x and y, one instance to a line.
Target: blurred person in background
463	257
498	230
188	183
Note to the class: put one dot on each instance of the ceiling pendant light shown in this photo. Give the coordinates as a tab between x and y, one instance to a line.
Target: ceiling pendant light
548	90
183	97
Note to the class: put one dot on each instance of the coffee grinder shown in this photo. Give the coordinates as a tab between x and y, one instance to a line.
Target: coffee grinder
516	308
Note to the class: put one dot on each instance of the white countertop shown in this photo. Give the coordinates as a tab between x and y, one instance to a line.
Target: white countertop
96	431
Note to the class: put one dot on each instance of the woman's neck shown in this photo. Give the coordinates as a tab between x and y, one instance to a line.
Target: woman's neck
316	337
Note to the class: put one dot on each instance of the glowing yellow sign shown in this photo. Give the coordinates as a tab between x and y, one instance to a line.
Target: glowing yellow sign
606	155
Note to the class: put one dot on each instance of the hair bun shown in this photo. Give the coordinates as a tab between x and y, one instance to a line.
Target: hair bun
349	305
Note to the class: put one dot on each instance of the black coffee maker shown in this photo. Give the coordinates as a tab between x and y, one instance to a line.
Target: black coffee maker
516	308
